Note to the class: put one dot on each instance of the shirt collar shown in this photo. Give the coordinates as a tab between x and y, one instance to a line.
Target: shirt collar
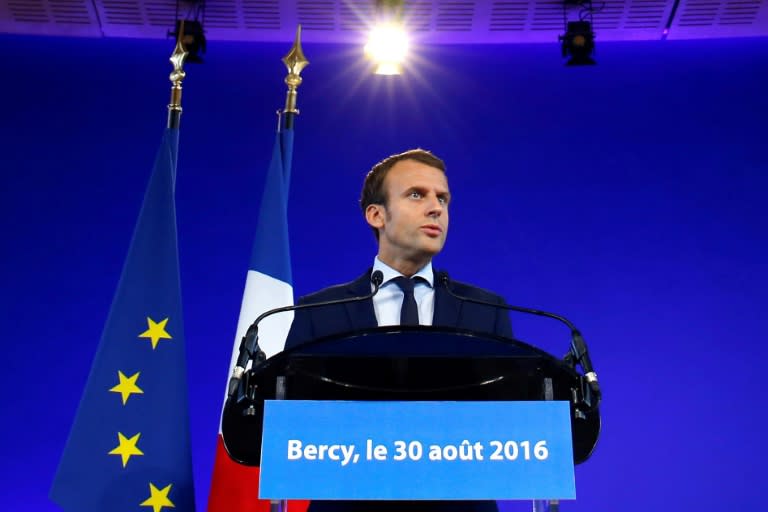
389	273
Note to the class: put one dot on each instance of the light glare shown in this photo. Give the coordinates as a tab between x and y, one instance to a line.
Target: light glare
388	47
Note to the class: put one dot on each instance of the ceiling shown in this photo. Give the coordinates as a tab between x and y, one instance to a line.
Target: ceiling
431	21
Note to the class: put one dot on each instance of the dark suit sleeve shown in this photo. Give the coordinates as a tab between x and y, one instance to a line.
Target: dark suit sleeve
301	328
480	317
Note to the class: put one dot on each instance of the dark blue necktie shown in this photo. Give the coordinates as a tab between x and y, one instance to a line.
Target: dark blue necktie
409	312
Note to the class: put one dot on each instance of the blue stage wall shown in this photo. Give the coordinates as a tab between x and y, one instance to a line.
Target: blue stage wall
630	197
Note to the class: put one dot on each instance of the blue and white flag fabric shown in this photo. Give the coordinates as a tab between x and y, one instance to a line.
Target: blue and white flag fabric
129	446
268	285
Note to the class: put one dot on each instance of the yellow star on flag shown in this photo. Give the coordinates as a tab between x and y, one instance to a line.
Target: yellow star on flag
156	331
127	447
127	386
158	498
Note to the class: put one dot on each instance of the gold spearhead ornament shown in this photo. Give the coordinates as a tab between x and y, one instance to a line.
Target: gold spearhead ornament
178	74
295	62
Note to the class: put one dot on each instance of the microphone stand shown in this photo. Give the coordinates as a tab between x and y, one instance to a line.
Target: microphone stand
250	352
578	353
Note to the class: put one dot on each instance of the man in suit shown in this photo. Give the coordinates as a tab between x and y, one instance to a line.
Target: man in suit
405	200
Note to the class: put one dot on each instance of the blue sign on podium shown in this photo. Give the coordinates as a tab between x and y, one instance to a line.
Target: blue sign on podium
330	450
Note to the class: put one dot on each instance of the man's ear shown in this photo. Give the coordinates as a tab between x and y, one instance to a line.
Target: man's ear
374	215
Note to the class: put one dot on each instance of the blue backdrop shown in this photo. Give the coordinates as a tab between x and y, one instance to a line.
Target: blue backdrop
629	196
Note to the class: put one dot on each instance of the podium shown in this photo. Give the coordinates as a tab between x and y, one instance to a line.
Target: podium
404	363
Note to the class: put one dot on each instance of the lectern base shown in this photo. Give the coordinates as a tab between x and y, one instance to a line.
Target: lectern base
403	506
546	506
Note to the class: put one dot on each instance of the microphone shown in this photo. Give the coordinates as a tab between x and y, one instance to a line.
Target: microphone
578	352
249	345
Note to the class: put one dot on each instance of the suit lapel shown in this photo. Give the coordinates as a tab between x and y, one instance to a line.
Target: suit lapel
447	307
361	313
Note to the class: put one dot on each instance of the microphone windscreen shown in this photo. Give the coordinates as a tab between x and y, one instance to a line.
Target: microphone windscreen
377	277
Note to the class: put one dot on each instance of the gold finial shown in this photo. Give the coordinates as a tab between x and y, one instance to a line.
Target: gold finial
178	74
295	62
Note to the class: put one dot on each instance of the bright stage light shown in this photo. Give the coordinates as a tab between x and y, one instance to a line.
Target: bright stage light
387	47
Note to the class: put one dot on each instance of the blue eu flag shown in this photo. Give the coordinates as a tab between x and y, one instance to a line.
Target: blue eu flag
129	447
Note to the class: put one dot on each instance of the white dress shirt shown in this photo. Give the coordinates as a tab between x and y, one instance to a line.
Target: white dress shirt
388	302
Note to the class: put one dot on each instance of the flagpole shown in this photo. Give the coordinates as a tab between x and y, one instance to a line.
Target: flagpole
176	77
268	286
153	426
295	62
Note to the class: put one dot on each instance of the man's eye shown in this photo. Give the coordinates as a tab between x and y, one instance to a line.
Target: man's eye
416	195
442	200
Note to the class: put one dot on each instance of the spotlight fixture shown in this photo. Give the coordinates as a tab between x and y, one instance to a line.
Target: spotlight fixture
578	43
190	24
387	45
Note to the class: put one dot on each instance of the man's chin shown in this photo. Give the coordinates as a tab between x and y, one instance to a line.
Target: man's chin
432	250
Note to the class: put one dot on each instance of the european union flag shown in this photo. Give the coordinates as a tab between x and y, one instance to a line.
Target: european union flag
129	447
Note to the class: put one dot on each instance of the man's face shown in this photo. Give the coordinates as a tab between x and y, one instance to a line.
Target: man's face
414	223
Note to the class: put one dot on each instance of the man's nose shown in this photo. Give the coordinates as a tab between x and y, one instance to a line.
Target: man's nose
435	207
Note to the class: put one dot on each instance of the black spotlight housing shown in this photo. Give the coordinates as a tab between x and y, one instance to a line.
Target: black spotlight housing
578	43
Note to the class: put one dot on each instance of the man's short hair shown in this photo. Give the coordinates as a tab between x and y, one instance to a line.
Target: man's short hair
373	186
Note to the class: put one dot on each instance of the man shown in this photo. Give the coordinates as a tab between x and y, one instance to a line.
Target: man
405	200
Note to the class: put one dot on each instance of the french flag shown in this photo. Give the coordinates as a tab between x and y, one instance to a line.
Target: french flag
267	286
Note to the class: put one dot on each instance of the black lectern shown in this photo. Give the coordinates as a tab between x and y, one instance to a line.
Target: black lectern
408	363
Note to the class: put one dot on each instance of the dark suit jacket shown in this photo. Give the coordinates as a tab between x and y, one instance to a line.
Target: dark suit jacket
318	322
